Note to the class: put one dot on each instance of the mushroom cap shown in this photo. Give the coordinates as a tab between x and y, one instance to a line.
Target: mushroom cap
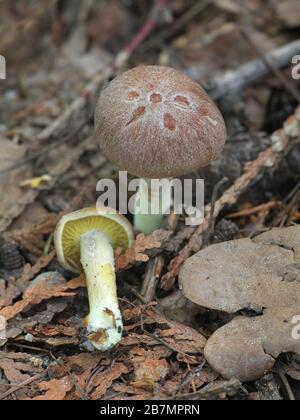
73	225
246	348
156	122
256	273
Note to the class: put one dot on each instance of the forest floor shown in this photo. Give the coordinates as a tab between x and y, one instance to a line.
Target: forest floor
59	55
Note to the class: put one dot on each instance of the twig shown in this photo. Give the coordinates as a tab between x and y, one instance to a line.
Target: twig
144	32
179	24
212	219
281	141
43	151
237	80
136	293
213	390
287	385
21	385
253	210
25	346
189	377
83	395
288	204
152	276
164	343
88	94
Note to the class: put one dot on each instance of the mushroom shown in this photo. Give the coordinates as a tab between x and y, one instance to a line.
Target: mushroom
261	274
246	348
256	273
85	241
155	122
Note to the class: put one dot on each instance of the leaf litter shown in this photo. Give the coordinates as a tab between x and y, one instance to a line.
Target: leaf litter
49	132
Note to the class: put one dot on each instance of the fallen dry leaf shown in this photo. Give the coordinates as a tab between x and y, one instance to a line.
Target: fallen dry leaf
31	237
148	371
9	293
137	252
16	287
180	337
104	380
173	336
44	287
138	393
16	327
82	366
37	182
12	371
133	339
17	366
56	389
15	356
15	198
53	341
140	353
53	330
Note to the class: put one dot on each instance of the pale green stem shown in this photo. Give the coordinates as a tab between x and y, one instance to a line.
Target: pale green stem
152	203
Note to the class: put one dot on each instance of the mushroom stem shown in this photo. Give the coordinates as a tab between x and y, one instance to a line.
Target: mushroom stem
152	202
104	322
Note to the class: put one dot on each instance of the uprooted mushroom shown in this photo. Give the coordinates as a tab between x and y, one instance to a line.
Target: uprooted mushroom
261	274
85	241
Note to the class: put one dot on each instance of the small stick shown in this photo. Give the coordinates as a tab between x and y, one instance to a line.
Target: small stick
287	385
189	377
152	276
212	219
213	390
83	395
253	210
76	106
250	72
21	385
144	32
43	151
179	24
136	293
164	343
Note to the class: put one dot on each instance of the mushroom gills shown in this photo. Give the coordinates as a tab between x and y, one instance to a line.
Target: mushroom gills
75	229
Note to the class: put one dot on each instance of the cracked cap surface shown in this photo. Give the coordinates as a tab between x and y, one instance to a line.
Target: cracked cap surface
156	122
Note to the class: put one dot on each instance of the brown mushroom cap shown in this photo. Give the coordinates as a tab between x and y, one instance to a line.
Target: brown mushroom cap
256	273
247	348
156	122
